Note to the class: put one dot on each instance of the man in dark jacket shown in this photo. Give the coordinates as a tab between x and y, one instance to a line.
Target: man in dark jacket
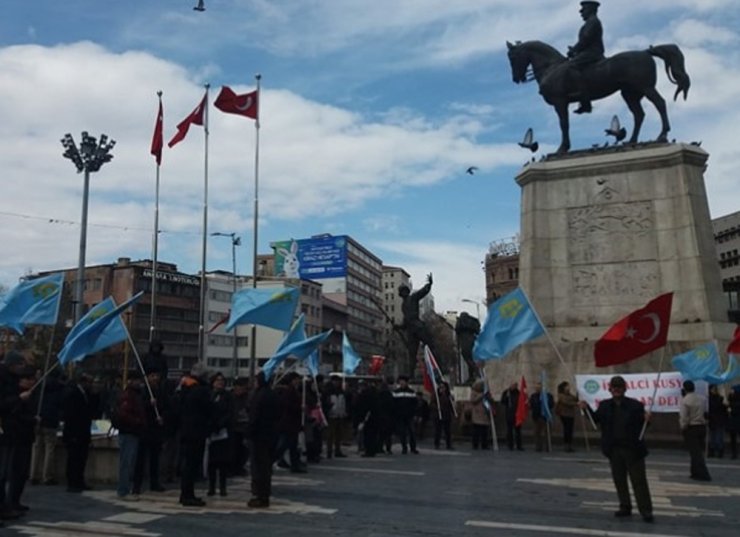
405	409
152	435
194	411
79	406
621	420
262	433
289	422
539	417
12	399
44	449
509	400
22	428
130	420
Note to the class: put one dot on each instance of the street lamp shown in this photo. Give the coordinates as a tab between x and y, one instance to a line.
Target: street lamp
90	156
477	305
235	241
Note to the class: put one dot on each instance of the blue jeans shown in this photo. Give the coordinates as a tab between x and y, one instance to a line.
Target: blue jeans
128	447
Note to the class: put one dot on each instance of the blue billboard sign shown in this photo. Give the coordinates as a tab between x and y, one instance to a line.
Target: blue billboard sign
311	259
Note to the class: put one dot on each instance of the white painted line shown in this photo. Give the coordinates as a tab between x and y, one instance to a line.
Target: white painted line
562	529
368	470
133	518
650	462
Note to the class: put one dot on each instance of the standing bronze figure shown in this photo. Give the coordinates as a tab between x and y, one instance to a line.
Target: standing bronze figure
582	79
414	329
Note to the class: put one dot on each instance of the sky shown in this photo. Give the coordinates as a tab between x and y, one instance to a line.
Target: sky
371	112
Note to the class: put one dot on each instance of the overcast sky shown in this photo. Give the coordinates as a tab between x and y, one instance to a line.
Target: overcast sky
371	113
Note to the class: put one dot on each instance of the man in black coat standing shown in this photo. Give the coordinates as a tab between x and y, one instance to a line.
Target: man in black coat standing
194	411
262	434
79	407
621	420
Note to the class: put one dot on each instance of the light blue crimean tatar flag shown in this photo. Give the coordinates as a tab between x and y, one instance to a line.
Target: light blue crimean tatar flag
350	359
511	321
300	350
33	301
271	307
296	334
697	363
728	375
101	328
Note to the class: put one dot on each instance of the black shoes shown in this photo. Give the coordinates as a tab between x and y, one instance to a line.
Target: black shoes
623	513
340	455
258	503
648	518
157	488
192	502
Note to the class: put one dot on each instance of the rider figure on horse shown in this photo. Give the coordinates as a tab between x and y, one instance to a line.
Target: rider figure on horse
588	50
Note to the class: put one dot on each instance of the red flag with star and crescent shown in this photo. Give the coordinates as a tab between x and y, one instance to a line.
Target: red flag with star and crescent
157	141
242	105
195	118
641	332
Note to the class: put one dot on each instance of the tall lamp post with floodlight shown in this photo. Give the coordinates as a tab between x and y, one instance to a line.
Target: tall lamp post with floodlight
89	158
235	241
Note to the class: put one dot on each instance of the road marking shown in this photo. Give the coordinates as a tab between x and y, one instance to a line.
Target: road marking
561	529
94	528
649	462
133	518
370	470
168	504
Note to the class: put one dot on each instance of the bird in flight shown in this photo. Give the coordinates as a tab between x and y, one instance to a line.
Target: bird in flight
471	170
528	142
616	130
201	6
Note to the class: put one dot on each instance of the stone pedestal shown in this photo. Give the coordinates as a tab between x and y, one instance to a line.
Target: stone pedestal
604	232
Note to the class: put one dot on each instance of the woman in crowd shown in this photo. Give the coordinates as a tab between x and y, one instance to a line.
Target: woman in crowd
219	444
566	409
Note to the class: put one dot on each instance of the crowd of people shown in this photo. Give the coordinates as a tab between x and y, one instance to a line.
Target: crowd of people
201	427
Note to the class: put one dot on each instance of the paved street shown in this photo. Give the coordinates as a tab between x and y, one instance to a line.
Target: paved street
436	493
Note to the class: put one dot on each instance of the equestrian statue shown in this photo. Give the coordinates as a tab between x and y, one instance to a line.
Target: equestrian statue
586	75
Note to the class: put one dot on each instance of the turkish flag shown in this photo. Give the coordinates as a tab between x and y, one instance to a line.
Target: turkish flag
242	105
734	346
157	141
195	118
376	364
641	332
522	405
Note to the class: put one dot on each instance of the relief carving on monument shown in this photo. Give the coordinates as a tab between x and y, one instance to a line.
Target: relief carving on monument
611	232
614	284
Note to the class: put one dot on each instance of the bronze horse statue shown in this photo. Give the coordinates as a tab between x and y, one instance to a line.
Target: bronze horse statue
632	73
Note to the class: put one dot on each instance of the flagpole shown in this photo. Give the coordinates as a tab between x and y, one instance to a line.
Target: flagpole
253	346
42	380
560	356
46	368
203	281
486	390
655	392
143	371
155	245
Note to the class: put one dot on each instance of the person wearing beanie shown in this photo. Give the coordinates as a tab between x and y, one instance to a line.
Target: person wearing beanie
621	420
194	409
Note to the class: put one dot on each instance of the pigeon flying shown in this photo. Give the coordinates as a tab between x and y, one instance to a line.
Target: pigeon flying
528	142
616	130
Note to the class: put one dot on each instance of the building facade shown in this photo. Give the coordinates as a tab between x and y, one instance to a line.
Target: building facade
727	241
350	275
177	306
502	268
